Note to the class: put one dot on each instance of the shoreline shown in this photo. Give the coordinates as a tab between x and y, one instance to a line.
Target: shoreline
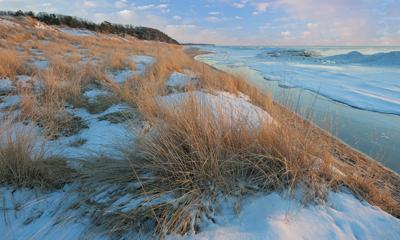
348	157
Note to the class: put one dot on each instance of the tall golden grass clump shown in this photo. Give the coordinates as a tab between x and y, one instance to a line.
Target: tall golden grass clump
24	161
198	157
62	83
11	64
116	60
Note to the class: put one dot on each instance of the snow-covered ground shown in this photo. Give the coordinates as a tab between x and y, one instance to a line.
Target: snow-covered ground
141	62
276	217
180	80
101	137
76	31
223	106
33	215
6	86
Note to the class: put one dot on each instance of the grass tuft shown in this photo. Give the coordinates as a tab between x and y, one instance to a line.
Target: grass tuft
11	64
24	161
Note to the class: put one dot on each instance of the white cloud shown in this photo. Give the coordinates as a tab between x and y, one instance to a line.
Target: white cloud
89	4
126	13
121	3
312	26
262	7
238	5
181	26
214	19
151	6
161	6
286	34
214	13
176	17
146	7
306	34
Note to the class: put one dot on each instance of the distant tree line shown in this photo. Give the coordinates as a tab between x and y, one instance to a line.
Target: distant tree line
143	33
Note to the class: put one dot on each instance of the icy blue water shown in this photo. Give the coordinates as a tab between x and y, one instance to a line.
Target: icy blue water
354	89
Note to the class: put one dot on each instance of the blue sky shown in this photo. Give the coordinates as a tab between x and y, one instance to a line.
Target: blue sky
243	22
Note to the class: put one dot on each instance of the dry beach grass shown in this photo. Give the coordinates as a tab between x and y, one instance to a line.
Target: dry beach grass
188	157
24	166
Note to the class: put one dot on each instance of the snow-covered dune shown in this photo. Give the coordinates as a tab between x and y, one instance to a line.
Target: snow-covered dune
275	217
223	105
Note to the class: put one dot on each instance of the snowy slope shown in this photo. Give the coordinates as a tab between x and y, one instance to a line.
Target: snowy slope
35	215
223	105
275	217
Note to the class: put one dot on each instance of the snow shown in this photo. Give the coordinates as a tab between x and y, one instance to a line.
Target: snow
77	32
9	101
276	217
141	61
7	23
93	94
120	76
29	82
181	80
6	86
43	26
31	214
362	77
101	137
41	64
228	106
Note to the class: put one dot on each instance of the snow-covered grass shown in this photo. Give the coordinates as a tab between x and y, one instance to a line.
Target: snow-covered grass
179	80
139	64
138	159
100	137
7	23
93	94
32	214
202	145
9	102
6	86
76	32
